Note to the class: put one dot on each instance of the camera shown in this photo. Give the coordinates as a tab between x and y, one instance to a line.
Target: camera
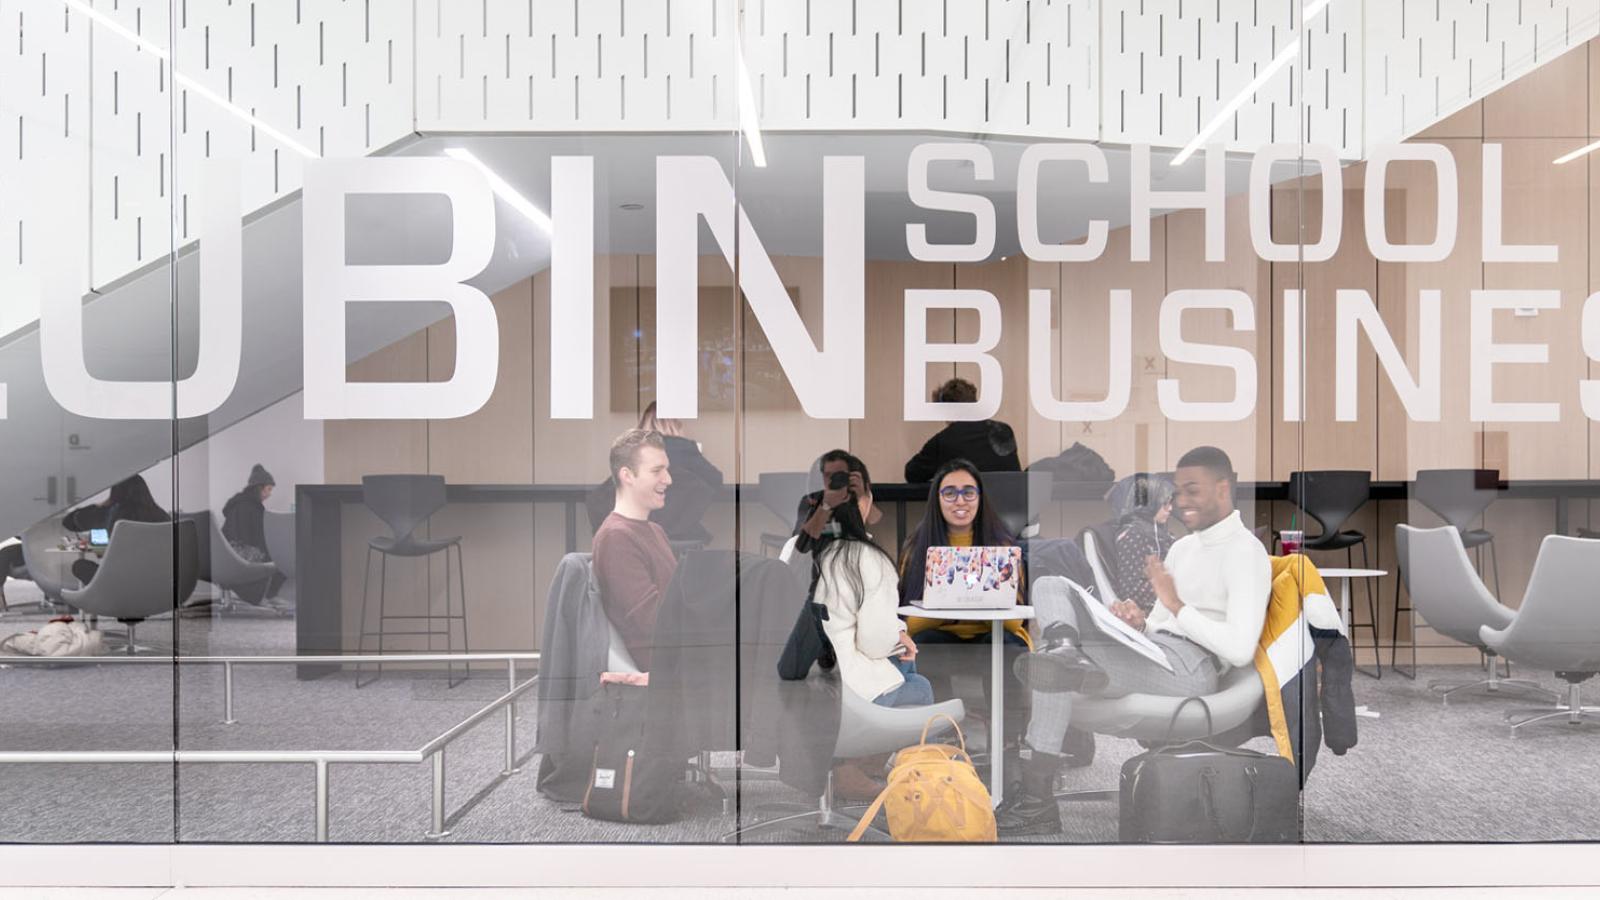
838	481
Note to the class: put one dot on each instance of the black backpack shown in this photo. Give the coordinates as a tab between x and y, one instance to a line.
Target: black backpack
627	781
1076	464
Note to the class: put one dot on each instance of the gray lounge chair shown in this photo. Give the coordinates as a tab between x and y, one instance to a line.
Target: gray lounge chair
1557	629
1451	598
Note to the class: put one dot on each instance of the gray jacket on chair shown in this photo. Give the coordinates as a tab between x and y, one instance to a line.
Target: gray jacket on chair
573	650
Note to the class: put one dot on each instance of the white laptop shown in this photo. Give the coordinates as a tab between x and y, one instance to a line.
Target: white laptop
971	577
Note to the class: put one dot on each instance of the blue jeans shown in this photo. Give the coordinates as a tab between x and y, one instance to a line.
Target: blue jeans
916	691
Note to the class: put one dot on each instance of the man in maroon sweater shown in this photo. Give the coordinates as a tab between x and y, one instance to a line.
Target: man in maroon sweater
632	558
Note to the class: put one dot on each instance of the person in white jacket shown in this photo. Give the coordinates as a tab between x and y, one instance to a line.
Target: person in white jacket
1211	595
856	582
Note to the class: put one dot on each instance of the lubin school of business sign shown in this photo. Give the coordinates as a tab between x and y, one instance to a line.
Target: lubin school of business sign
828	376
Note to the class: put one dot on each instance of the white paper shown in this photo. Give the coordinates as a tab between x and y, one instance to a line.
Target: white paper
1123	633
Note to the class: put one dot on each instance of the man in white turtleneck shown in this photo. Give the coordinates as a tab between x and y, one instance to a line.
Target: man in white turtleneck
1212	592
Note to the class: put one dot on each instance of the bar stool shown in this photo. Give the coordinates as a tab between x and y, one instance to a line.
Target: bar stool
405	502
1459	497
1331	497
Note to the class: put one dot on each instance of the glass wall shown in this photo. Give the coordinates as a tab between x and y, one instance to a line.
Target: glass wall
552	423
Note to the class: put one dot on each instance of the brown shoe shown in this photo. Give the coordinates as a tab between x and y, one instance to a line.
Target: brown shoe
851	783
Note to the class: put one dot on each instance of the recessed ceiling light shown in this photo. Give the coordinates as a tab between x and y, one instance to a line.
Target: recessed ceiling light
632	207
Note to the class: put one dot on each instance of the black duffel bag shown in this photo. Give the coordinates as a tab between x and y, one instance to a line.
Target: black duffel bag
628	781
1198	793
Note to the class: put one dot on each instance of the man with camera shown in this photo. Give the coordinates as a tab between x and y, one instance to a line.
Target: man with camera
842	482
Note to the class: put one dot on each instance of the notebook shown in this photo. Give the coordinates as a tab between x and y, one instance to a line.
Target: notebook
971	577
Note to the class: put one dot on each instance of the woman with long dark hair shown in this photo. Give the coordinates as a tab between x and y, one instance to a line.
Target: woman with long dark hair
956	516
854	580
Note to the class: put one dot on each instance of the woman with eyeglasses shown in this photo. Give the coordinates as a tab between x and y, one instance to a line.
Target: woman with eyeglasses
958	516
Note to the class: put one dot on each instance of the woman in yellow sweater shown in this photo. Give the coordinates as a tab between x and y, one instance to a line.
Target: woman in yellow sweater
957	516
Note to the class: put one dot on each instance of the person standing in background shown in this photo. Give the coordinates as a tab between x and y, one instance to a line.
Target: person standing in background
989	445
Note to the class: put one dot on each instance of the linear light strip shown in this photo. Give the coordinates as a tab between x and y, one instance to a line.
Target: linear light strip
1581	151
748	122
1289	52
188	83
502	189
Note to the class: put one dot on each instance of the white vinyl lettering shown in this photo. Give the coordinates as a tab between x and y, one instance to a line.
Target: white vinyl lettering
1094	242
1213	198
1486	354
975	205
330	284
1178	350
919	353
830	382
1376	202
1041	340
1331	193
1420	396
220	328
572	287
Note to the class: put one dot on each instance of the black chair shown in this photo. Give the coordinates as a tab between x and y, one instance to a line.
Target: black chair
1330	497
1459	497
781	492
1018	498
404	503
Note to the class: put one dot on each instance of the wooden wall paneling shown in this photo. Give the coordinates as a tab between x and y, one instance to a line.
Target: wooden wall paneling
1320	441
1008	280
1551	101
495	444
1544	204
784	439
492	446
1136	440
1519	527
787	439
356	447
1593	50
1043	437
1466	122
1593	162
884	439
573	451
1246	442
1410	209
720	304
498	548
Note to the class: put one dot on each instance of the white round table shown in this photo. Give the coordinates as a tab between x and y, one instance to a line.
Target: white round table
1344	577
997	619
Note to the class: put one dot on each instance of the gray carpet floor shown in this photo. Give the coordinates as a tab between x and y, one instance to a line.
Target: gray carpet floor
1422	771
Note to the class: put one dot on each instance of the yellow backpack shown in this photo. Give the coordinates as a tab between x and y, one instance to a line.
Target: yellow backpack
934	795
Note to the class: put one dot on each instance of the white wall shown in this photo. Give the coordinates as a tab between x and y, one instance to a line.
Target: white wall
214	470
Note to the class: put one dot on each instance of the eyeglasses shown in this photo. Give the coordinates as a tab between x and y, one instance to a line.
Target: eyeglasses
952	494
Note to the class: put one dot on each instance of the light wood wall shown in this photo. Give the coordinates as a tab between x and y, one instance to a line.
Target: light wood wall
512	553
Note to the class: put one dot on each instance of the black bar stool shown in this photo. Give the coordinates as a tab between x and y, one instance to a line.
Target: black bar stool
405	502
1459	497
1331	497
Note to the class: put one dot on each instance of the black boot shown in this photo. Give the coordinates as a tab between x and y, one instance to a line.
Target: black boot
1032	810
1059	668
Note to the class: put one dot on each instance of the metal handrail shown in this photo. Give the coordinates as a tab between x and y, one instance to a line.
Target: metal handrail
359	659
228	662
433	751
